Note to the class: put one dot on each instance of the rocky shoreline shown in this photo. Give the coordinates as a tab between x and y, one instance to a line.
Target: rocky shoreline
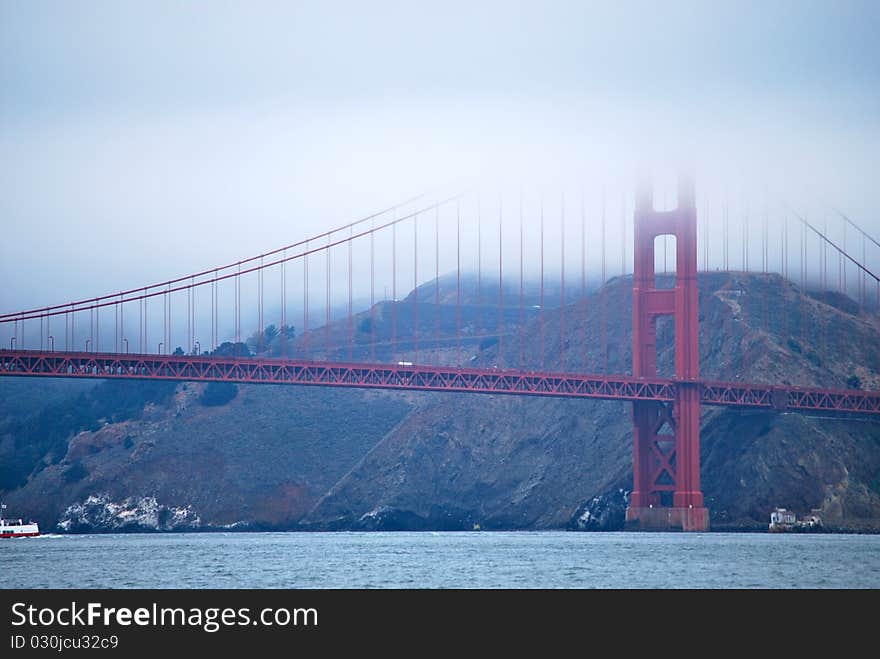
99	514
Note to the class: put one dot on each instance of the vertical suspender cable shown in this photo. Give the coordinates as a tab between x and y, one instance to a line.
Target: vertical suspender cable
706	206
802	249
785	285
393	292
307	337
764	267
458	281
372	291
416	289
602	295
350	301
521	301
623	327
725	232
562	285
284	304
327	303
823	261
437	284
500	291
542	284
479	276
583	285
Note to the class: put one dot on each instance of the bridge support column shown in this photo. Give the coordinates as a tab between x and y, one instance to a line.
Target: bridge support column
666	438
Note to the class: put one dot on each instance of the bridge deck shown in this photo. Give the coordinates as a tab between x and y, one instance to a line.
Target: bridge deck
425	378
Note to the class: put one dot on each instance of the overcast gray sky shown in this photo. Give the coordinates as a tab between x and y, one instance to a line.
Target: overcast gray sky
145	140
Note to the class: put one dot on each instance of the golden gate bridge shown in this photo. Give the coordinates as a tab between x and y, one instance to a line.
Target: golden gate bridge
397	345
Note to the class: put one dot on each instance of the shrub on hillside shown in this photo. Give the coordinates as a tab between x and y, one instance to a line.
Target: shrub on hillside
218	393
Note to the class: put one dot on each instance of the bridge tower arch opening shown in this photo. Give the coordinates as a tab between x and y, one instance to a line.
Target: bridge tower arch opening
666	439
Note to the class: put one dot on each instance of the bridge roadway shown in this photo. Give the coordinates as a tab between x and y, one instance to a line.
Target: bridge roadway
35	363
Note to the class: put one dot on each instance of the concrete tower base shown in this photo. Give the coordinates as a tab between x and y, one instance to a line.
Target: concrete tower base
662	518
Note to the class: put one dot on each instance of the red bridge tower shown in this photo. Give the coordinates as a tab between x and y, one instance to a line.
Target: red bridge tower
666	453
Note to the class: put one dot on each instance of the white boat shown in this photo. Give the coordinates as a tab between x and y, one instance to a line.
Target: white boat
17	528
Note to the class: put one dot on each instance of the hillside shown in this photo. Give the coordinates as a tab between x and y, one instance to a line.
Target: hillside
313	458
523	463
